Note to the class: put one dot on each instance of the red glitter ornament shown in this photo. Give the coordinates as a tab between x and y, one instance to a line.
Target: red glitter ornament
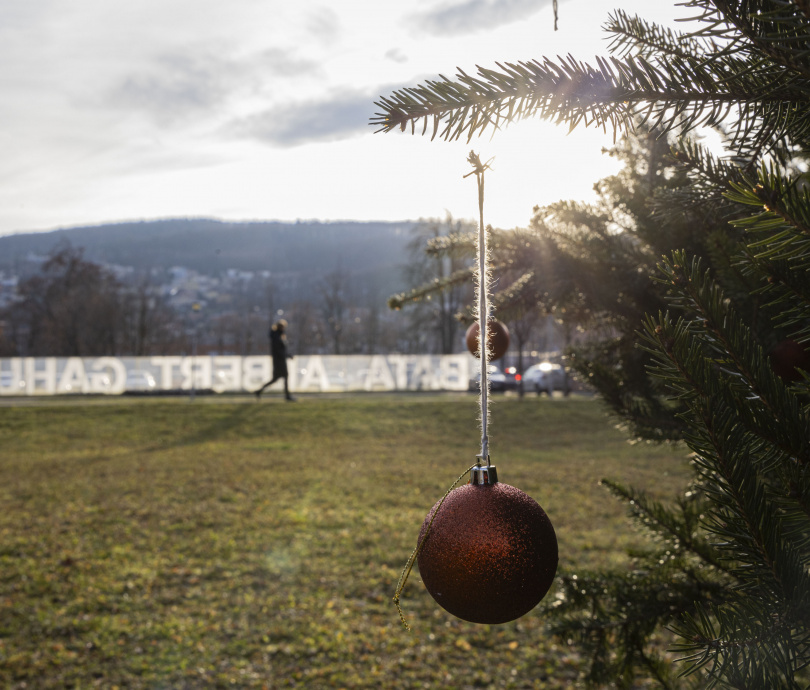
497	339
487	552
787	357
490	554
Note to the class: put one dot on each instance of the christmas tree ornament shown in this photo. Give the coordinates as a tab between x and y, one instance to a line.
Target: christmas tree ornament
487	551
497	339
787	357
491	552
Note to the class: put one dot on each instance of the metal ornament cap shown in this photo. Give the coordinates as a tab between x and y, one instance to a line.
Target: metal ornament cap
483	475
490	555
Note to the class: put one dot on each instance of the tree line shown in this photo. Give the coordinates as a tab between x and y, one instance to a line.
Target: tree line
74	307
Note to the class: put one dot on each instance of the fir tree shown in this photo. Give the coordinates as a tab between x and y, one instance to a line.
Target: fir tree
729	575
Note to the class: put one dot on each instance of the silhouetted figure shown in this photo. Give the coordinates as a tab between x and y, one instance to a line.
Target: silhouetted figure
278	351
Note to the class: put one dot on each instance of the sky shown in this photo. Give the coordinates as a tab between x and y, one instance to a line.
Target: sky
258	109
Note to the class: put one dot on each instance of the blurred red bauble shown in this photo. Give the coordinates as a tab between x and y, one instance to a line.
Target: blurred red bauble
787	357
497	339
490	555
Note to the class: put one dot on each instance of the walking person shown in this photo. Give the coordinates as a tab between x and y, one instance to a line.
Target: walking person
278	351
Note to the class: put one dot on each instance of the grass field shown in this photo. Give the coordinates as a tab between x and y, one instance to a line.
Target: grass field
225	543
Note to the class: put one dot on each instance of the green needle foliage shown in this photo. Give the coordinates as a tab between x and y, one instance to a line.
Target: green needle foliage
716	252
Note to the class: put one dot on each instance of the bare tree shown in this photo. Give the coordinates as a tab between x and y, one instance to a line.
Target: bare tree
334	289
307	332
146	321
433	324
72	308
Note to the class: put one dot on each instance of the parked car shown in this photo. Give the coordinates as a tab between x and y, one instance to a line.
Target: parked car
546	377
497	380
513	377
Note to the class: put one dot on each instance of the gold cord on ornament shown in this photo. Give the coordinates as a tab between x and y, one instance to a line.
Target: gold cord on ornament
403	578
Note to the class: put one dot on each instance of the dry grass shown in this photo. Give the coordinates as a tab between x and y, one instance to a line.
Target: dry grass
162	544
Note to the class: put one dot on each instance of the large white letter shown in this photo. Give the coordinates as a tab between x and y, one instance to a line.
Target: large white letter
16	384
255	371
313	374
73	378
454	373
400	364
227	375
379	374
166	365
47	375
423	377
98	376
196	372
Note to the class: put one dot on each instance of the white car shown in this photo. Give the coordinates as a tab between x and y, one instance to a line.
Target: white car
546	377
497	379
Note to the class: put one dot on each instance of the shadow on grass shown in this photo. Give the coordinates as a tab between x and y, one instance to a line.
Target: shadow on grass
238	417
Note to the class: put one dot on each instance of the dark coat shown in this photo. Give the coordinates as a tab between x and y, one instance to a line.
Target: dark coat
278	350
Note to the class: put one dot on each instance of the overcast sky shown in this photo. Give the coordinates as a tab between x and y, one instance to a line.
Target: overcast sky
258	109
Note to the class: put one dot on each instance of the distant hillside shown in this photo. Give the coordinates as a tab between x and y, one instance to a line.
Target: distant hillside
211	246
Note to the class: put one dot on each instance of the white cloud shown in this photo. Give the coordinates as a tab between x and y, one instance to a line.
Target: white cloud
396	55
324	24
476	15
292	124
176	86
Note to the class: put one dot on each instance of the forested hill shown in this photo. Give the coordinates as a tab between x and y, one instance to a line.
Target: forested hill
211	246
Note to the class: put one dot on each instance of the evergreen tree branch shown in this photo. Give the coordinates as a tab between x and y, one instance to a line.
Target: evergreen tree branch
787	286
745	512
614	614
694	92
710	177
747	373
744	645
804	6
642	411
772	32
634	34
512	298
784	222
461	244
460	277
681	529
